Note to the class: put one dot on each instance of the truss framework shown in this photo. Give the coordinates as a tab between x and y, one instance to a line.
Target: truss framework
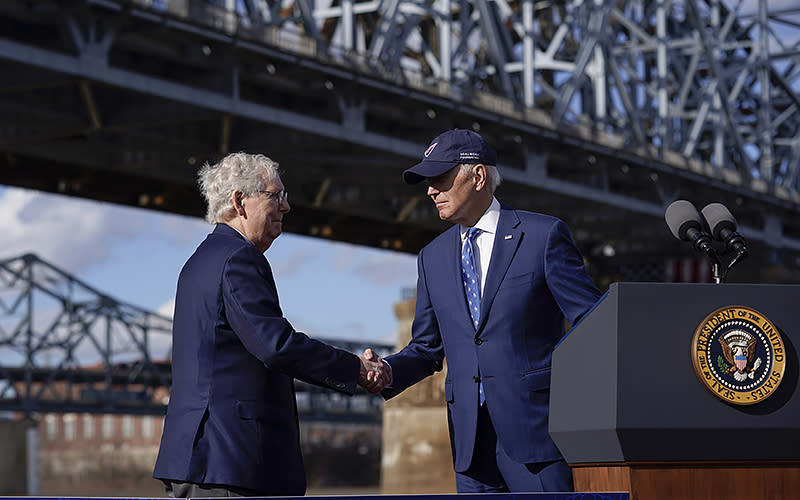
714	85
603	112
63	341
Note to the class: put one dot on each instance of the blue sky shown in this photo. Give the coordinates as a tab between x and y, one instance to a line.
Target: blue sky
327	289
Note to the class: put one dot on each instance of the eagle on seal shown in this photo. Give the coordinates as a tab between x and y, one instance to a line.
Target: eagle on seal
739	347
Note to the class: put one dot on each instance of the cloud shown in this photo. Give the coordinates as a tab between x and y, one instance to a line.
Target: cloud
370	265
70	233
388	268
294	263
167	309
380	267
182	230
76	234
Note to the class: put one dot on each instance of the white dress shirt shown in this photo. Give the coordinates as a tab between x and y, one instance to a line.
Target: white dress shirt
484	242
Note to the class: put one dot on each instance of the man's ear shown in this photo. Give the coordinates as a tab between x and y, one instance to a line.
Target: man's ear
479	174
236	200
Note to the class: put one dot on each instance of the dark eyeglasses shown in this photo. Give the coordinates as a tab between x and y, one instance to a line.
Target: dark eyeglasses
281	195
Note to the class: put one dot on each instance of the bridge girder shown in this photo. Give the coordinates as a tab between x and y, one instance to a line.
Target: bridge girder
602	112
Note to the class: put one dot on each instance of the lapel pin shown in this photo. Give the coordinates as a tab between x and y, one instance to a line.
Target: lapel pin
508	236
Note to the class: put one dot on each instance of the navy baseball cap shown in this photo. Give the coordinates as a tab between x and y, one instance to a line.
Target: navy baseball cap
451	148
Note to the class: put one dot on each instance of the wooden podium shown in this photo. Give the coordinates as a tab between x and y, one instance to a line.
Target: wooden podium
629	413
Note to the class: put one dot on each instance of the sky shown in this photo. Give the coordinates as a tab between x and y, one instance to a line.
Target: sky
326	289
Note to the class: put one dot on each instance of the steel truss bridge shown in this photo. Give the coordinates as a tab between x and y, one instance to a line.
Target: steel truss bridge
67	347
602	112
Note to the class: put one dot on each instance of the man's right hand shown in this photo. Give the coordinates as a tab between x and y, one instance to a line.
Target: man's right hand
375	373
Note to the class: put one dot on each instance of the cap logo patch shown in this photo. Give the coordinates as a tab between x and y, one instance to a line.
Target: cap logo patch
430	149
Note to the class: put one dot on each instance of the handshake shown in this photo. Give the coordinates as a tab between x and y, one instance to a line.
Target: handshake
375	372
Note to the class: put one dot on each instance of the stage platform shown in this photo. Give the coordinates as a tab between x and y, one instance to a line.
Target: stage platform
454	496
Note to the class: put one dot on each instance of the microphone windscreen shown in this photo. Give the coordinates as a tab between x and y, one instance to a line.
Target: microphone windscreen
682	215
718	218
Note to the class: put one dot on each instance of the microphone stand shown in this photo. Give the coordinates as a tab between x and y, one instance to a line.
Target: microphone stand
718	271
741	254
702	243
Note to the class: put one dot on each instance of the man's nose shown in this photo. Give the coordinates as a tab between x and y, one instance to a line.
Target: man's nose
432	191
285	207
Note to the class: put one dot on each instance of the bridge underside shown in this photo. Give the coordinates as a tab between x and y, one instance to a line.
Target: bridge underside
124	105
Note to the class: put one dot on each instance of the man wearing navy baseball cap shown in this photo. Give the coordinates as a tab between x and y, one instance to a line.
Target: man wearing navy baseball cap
493	292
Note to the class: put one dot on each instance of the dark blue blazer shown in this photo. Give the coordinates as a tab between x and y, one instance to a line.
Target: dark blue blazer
232	418
536	278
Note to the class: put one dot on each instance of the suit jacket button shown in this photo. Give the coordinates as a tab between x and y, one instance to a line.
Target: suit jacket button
478	341
476	379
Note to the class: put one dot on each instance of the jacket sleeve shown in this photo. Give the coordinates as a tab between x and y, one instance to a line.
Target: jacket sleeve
566	276
424	354
251	307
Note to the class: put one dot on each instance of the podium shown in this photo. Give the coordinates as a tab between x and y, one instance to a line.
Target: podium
629	412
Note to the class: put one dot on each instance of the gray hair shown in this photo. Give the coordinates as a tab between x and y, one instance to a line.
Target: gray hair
237	171
493	177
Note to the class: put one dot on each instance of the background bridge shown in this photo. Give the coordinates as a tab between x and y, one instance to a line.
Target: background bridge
602	112
66	347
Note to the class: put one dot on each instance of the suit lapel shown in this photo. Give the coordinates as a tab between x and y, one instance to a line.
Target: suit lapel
506	241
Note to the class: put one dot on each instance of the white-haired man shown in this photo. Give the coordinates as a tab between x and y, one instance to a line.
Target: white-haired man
231	427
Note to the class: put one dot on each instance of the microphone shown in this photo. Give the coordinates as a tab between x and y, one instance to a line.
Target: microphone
723	228
686	224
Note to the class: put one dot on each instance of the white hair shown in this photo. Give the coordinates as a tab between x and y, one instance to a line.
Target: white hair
237	171
493	178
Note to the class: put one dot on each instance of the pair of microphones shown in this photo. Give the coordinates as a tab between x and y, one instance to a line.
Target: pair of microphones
714	223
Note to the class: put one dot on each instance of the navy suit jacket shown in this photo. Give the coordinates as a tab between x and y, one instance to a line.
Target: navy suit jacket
232	418
535	279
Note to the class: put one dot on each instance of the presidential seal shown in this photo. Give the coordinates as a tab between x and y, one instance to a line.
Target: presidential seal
738	355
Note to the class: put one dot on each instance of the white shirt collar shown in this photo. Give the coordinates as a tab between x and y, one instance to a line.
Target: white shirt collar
488	221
